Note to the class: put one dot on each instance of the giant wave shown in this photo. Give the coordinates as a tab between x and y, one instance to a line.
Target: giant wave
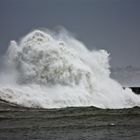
48	71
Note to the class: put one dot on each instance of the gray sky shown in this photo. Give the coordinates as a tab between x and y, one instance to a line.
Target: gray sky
113	25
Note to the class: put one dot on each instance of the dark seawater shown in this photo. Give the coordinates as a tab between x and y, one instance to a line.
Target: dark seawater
79	123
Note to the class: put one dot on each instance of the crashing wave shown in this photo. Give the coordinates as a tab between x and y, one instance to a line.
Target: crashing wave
52	73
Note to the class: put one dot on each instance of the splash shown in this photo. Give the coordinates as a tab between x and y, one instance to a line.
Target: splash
47	71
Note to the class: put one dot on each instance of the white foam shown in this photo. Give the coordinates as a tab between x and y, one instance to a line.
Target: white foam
52	72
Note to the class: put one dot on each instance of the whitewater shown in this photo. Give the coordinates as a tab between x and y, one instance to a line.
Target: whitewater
48	70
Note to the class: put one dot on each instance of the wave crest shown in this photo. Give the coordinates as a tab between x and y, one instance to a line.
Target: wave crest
51	73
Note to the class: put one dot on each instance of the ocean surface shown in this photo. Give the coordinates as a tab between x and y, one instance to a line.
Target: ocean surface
74	123
49	84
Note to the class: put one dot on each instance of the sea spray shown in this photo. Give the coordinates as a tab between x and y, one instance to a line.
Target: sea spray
46	71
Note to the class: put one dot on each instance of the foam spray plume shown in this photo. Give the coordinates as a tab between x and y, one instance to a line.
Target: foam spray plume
46	71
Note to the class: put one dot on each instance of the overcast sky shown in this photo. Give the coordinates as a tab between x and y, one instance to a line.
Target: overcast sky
113	25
